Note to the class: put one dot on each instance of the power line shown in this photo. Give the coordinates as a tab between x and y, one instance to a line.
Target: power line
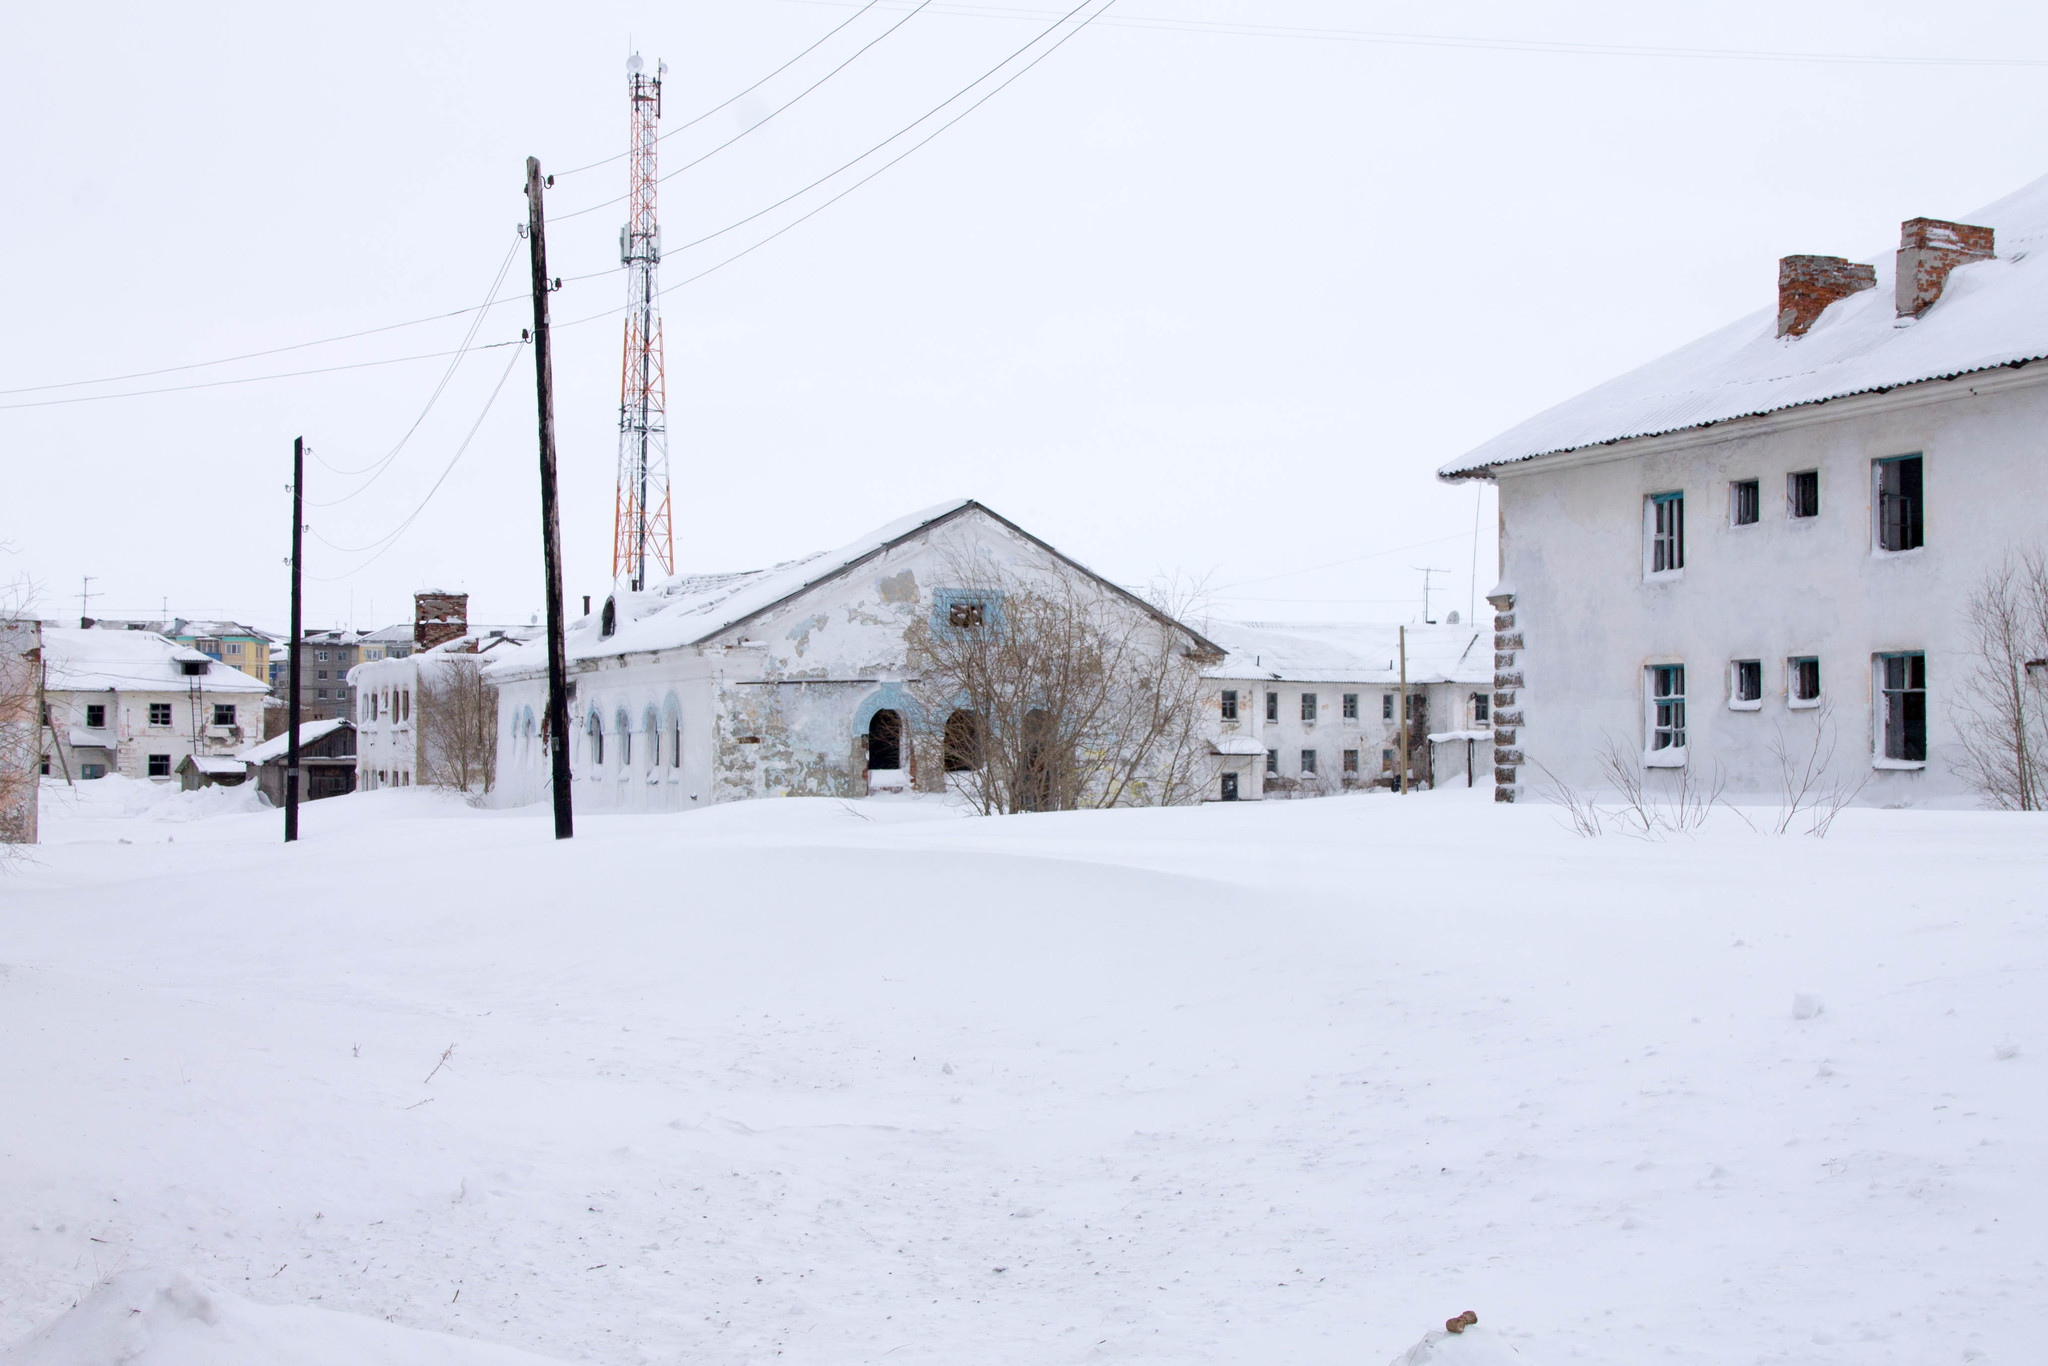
1481	42
376	468
390	538
691	123
751	128
878	147
258	379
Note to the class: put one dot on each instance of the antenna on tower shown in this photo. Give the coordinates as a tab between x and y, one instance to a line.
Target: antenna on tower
641	523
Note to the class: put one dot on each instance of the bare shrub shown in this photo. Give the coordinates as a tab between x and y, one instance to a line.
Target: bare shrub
457	713
1583	810
1806	777
1080	695
1999	707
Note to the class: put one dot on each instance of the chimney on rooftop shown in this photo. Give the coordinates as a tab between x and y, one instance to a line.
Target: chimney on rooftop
438	616
1929	249
1808	284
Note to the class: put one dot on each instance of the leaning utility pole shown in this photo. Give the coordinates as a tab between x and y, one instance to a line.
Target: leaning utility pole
1403	789
291	723
550	522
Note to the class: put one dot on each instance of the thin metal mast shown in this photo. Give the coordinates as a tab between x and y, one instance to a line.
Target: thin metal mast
640	527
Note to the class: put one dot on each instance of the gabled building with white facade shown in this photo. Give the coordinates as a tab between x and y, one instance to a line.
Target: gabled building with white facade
788	681
1769	538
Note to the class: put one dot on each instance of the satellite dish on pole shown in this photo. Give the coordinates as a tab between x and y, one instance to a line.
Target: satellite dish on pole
633	64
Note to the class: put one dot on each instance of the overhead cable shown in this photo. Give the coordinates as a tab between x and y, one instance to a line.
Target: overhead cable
1040	37
1398	38
376	468
390	538
758	123
691	123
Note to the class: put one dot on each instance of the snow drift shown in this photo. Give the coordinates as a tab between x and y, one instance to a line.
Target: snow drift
157	1318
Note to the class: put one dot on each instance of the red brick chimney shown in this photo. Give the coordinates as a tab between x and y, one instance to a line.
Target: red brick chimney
1808	284
1928	250
438	616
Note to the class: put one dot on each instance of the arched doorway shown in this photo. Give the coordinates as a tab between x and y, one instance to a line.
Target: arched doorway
885	741
963	742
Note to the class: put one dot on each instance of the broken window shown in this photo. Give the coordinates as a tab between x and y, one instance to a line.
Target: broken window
1273	761
1898	503
885	740
1230	787
965	616
1386	761
223	713
1308	761
1803	676
1802	493
95	715
963	742
1746	682
159	765
1482	709
1230	704
1308	706
1351	761
1351	706
1272	706
1745	502
1387	707
1903	681
159	713
1665	523
1667	707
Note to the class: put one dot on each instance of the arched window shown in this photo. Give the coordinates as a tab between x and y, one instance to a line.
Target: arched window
675	737
650	726
596	730
963	742
625	730
608	620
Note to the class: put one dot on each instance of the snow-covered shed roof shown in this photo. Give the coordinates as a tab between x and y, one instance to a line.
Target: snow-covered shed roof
690	609
215	765
1991	314
132	661
1351	652
263	751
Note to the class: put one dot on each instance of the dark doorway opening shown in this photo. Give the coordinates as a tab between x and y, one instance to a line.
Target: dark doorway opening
963	742
1230	787
885	740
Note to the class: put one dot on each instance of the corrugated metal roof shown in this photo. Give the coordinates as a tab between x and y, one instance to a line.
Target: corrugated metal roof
1992	314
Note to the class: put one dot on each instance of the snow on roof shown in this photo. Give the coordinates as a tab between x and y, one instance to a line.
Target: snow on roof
132	661
263	751
214	765
1990	314
691	608
1350	652
1236	744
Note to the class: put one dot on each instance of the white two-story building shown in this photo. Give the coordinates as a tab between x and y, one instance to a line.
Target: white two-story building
1768	540
136	703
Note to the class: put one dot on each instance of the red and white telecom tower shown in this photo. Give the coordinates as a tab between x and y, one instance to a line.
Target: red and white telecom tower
641	525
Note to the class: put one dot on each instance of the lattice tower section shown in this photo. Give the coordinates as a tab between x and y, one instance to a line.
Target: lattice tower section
641	532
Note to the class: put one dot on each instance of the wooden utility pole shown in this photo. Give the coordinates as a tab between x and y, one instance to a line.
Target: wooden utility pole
550	520
1404	770
291	724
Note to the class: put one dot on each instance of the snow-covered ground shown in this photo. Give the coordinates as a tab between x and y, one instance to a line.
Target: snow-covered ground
873	1082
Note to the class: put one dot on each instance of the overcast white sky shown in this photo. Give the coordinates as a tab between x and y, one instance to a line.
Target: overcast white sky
1188	299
